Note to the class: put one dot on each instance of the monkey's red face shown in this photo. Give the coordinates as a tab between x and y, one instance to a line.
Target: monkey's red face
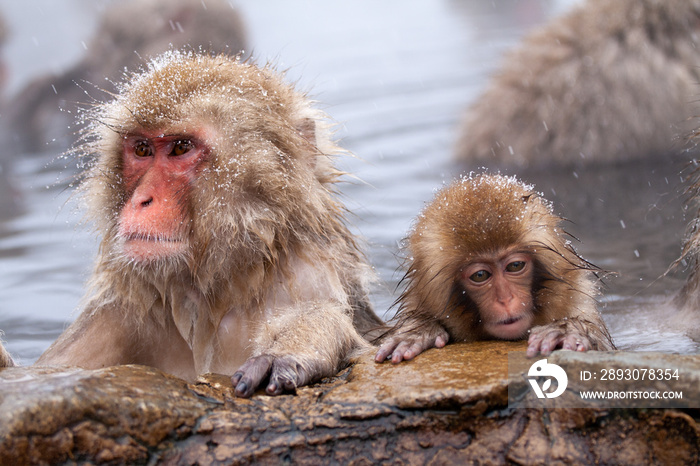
501	287
158	175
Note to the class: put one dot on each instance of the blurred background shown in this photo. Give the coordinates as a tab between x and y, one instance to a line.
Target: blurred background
396	76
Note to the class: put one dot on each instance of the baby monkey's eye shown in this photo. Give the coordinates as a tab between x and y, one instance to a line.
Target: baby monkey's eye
480	276
182	147
516	266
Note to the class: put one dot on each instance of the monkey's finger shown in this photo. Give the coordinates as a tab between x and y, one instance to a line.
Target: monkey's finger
414	350
251	374
409	349
583	344
550	342
535	347
385	350
286	376
574	341
570	342
441	340
398	354
290	385
534	343
280	384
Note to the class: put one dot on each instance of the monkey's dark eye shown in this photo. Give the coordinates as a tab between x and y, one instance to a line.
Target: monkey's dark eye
480	276
181	147
516	266
142	149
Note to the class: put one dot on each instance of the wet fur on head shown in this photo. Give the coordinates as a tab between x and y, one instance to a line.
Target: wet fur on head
484	214
265	191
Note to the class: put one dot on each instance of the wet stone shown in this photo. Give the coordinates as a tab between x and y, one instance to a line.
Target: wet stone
446	406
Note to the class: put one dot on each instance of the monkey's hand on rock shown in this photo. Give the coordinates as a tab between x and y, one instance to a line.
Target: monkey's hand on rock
407	344
299	345
285	375
558	335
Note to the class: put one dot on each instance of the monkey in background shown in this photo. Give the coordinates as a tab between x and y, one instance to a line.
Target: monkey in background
488	260
607	82
224	248
128	33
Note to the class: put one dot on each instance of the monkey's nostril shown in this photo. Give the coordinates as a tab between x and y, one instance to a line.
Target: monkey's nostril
147	202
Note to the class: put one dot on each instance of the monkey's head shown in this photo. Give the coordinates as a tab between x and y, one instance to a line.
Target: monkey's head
486	255
207	165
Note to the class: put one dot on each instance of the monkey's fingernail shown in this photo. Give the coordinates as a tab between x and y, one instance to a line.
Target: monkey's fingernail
241	389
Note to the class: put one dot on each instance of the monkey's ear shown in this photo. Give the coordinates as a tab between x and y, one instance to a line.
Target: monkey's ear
307	129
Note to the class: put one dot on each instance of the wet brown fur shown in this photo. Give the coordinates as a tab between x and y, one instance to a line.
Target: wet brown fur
267	234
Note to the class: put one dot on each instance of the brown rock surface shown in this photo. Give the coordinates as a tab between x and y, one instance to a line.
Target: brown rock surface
447	406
